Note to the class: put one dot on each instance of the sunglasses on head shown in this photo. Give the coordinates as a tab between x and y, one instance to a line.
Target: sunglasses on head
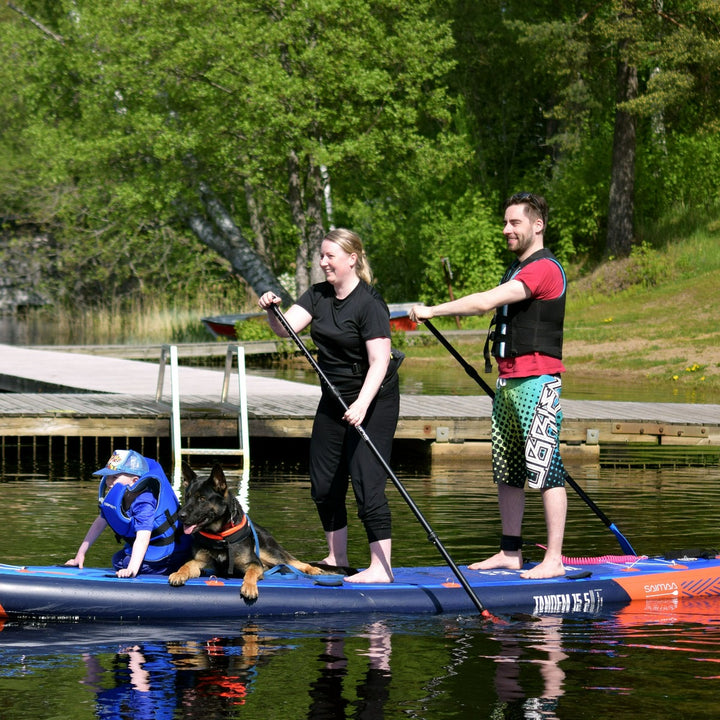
536	203
525	197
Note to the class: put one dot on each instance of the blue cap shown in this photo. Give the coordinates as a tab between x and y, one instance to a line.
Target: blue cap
125	462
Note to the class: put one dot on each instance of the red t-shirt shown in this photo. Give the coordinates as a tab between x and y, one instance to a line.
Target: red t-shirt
545	281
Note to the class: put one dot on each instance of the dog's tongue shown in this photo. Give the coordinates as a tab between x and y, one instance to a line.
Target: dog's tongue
189	529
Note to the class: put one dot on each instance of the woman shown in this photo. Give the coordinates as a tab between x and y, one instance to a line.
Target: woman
351	330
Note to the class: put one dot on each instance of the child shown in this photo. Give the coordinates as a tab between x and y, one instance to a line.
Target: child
138	503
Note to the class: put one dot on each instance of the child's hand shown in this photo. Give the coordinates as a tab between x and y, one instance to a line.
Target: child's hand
126	572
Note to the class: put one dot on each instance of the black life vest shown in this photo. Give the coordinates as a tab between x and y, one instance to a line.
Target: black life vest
528	326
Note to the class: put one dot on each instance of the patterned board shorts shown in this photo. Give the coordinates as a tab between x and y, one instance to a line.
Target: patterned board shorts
526	422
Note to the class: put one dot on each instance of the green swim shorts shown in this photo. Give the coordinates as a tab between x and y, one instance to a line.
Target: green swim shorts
526	420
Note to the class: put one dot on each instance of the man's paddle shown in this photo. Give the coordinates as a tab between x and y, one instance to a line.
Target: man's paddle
472	372
432	537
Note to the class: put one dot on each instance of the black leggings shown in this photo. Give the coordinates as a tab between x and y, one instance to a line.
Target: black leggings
339	454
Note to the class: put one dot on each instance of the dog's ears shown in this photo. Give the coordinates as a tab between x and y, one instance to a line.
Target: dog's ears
188	474
218	478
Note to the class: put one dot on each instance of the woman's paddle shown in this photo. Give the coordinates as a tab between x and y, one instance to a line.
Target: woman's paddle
432	537
472	372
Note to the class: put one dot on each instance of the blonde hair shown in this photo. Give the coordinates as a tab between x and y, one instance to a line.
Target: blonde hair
350	242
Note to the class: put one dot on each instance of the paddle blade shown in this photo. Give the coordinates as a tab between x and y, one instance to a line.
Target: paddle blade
624	543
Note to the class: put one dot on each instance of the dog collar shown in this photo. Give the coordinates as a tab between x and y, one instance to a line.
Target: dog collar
227	538
226	534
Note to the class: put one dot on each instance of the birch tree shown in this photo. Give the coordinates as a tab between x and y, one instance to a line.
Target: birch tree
268	104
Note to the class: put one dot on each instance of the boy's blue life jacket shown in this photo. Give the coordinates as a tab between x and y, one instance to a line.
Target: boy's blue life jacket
115	508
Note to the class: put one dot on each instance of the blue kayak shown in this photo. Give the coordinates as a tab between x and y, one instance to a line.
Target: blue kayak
61	592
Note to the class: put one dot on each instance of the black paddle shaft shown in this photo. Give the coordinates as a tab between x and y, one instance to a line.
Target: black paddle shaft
432	536
473	373
469	369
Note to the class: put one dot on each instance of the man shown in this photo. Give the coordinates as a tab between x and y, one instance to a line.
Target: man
526	340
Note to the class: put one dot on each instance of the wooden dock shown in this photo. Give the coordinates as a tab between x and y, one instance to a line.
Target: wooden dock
61	394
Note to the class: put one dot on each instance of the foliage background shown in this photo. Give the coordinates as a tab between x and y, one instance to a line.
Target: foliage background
414	119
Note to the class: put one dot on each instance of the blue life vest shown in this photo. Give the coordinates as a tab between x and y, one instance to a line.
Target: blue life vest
115	506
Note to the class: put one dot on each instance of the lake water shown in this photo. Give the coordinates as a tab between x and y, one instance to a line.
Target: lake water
641	661
447	377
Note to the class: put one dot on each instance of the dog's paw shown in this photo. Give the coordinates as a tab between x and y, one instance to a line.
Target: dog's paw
177	578
331	569
249	591
307	568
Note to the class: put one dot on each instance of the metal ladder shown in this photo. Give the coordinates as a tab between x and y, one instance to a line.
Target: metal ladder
243	450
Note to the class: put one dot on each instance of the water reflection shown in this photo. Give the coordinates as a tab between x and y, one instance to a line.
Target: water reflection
383	667
330	693
140	686
545	653
341	671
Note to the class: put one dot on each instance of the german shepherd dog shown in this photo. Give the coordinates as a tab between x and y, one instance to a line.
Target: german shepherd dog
224	539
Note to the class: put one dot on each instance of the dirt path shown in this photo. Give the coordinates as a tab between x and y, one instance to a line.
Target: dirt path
638	358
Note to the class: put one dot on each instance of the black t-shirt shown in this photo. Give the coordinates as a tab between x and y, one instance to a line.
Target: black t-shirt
340	329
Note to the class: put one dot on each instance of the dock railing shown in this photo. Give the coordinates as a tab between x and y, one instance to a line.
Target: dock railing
170	352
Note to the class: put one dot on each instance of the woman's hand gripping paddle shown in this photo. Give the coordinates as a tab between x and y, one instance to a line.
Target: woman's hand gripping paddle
400	487
472	372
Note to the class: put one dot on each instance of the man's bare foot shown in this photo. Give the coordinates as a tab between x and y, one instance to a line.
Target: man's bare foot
505	559
370	575
546	569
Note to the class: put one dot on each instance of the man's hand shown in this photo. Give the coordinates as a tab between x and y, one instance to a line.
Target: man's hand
418	313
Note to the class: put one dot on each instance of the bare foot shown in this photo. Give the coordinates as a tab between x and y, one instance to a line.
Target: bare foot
546	569
332	561
505	559
370	575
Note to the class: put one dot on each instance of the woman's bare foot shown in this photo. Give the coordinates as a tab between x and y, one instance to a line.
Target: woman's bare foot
370	575
332	561
505	560
337	548
380	568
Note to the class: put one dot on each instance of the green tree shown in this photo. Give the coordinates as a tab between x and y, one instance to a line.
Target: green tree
464	245
145	111
638	67
108	238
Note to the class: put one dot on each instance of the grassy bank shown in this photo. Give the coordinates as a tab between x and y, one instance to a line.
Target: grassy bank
668	333
653	316
650	319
